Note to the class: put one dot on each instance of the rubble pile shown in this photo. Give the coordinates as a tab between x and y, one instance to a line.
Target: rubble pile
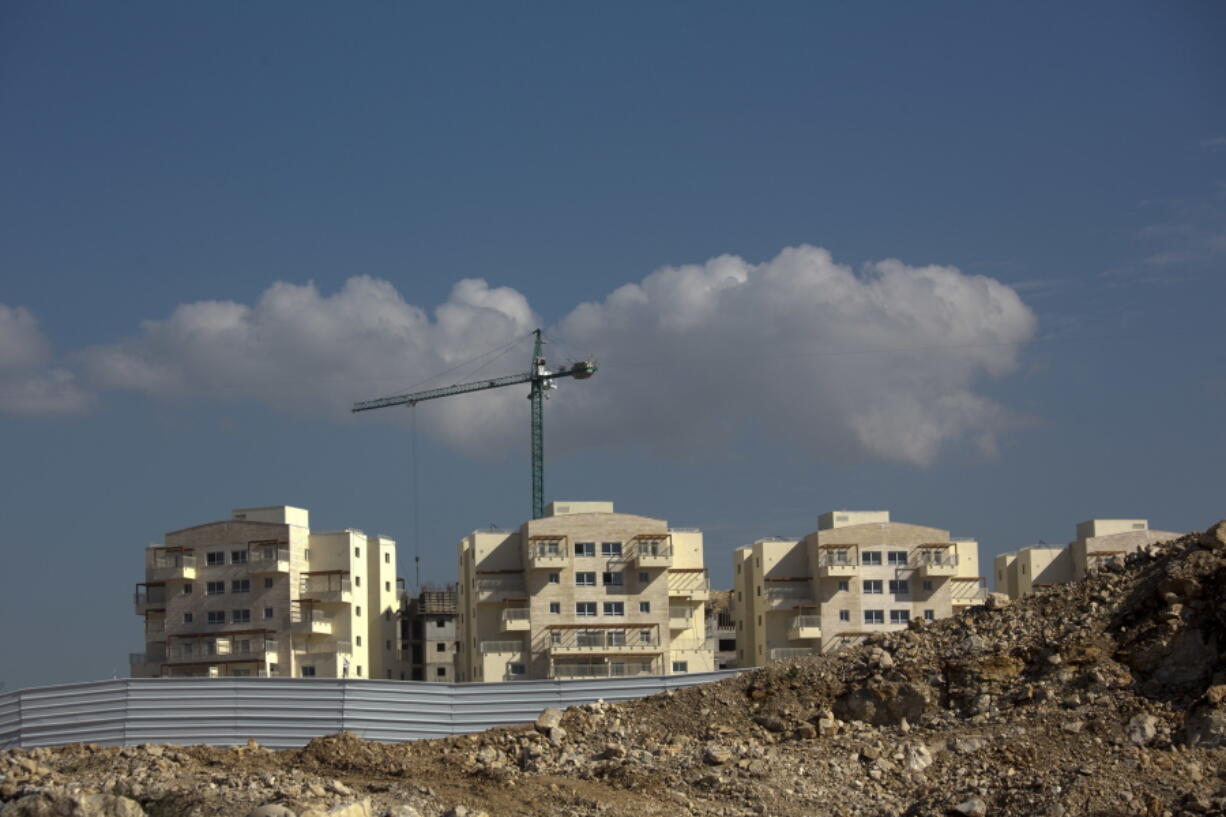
1103	697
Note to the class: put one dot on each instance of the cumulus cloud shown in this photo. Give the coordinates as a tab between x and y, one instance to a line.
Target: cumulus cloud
878	363
28	382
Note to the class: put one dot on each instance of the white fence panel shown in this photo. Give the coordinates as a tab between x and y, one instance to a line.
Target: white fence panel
287	712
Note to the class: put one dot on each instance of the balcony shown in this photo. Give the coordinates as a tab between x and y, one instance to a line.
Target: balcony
784	653
962	598
786	596
609	669
149	597
515	620
547	553
838	563
500	588
804	628
501	647
652	553
167	565
689	584
935	562
325	648
680	618
619	640
229	650
331	587
268	559
304	618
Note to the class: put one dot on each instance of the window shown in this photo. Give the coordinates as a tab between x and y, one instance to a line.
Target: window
585	578
187	588
440	647
874	617
616	638
681	666
555	607
217	616
614	608
238	557
870	557
589	638
844	615
240	616
555	637
387	615
900	587
269	612
872	586
272	668
387	587
441	623
644	607
612	578
358	640
555	578
187	618
929	615
515	668
215	588
387	645
440	672
215	557
610	548
357	581
357	611
306	554
308	671
896	557
927	586
900	616
844	586
357	553
644	577
240	586
585	548
267	583
759	590
387	558
359	670
645	637
585	608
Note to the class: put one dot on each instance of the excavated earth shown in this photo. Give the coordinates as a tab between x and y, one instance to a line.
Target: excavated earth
1103	697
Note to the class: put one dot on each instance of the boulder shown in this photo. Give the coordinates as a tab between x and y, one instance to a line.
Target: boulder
551	718
271	810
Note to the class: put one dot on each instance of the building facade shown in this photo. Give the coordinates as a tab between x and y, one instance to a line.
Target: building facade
582	592
260	594
721	629
857	574
428	632
1019	572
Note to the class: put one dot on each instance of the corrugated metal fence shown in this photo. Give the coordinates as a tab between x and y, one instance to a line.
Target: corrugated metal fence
284	712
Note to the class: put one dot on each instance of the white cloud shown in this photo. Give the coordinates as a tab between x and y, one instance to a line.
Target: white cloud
28	384
876	364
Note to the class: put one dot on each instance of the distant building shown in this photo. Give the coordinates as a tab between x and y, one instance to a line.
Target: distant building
582	592
428	633
721	629
260	594
1019	572
857	574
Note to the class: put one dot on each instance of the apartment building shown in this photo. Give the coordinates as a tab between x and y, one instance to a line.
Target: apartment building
260	594
1019	572
857	574
582	592
428	631
721	629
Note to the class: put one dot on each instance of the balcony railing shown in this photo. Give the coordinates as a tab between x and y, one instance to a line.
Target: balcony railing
254	649
338	647
172	564
612	669
326	587
680	618
805	627
497	588
935	562
490	647
547	553
148	598
305	618
653	553
979	595
268	559
691	584
782	653
604	639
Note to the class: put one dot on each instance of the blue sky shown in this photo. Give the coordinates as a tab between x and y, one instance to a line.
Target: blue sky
159	156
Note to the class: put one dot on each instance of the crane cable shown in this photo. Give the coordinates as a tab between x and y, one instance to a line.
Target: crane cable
416	505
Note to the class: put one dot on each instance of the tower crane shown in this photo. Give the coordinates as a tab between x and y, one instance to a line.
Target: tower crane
540	378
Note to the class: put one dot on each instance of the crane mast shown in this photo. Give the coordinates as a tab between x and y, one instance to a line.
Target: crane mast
539	378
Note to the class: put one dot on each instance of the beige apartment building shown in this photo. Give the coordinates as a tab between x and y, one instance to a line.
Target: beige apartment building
260	594
857	574
583	592
1019	572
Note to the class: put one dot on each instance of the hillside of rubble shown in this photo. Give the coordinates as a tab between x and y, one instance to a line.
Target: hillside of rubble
1103	697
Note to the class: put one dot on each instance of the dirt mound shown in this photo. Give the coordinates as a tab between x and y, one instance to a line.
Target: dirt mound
1103	697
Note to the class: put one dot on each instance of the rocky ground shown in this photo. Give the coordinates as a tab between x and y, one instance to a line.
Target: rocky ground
1105	697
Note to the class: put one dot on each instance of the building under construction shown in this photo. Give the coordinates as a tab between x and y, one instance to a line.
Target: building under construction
428	633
